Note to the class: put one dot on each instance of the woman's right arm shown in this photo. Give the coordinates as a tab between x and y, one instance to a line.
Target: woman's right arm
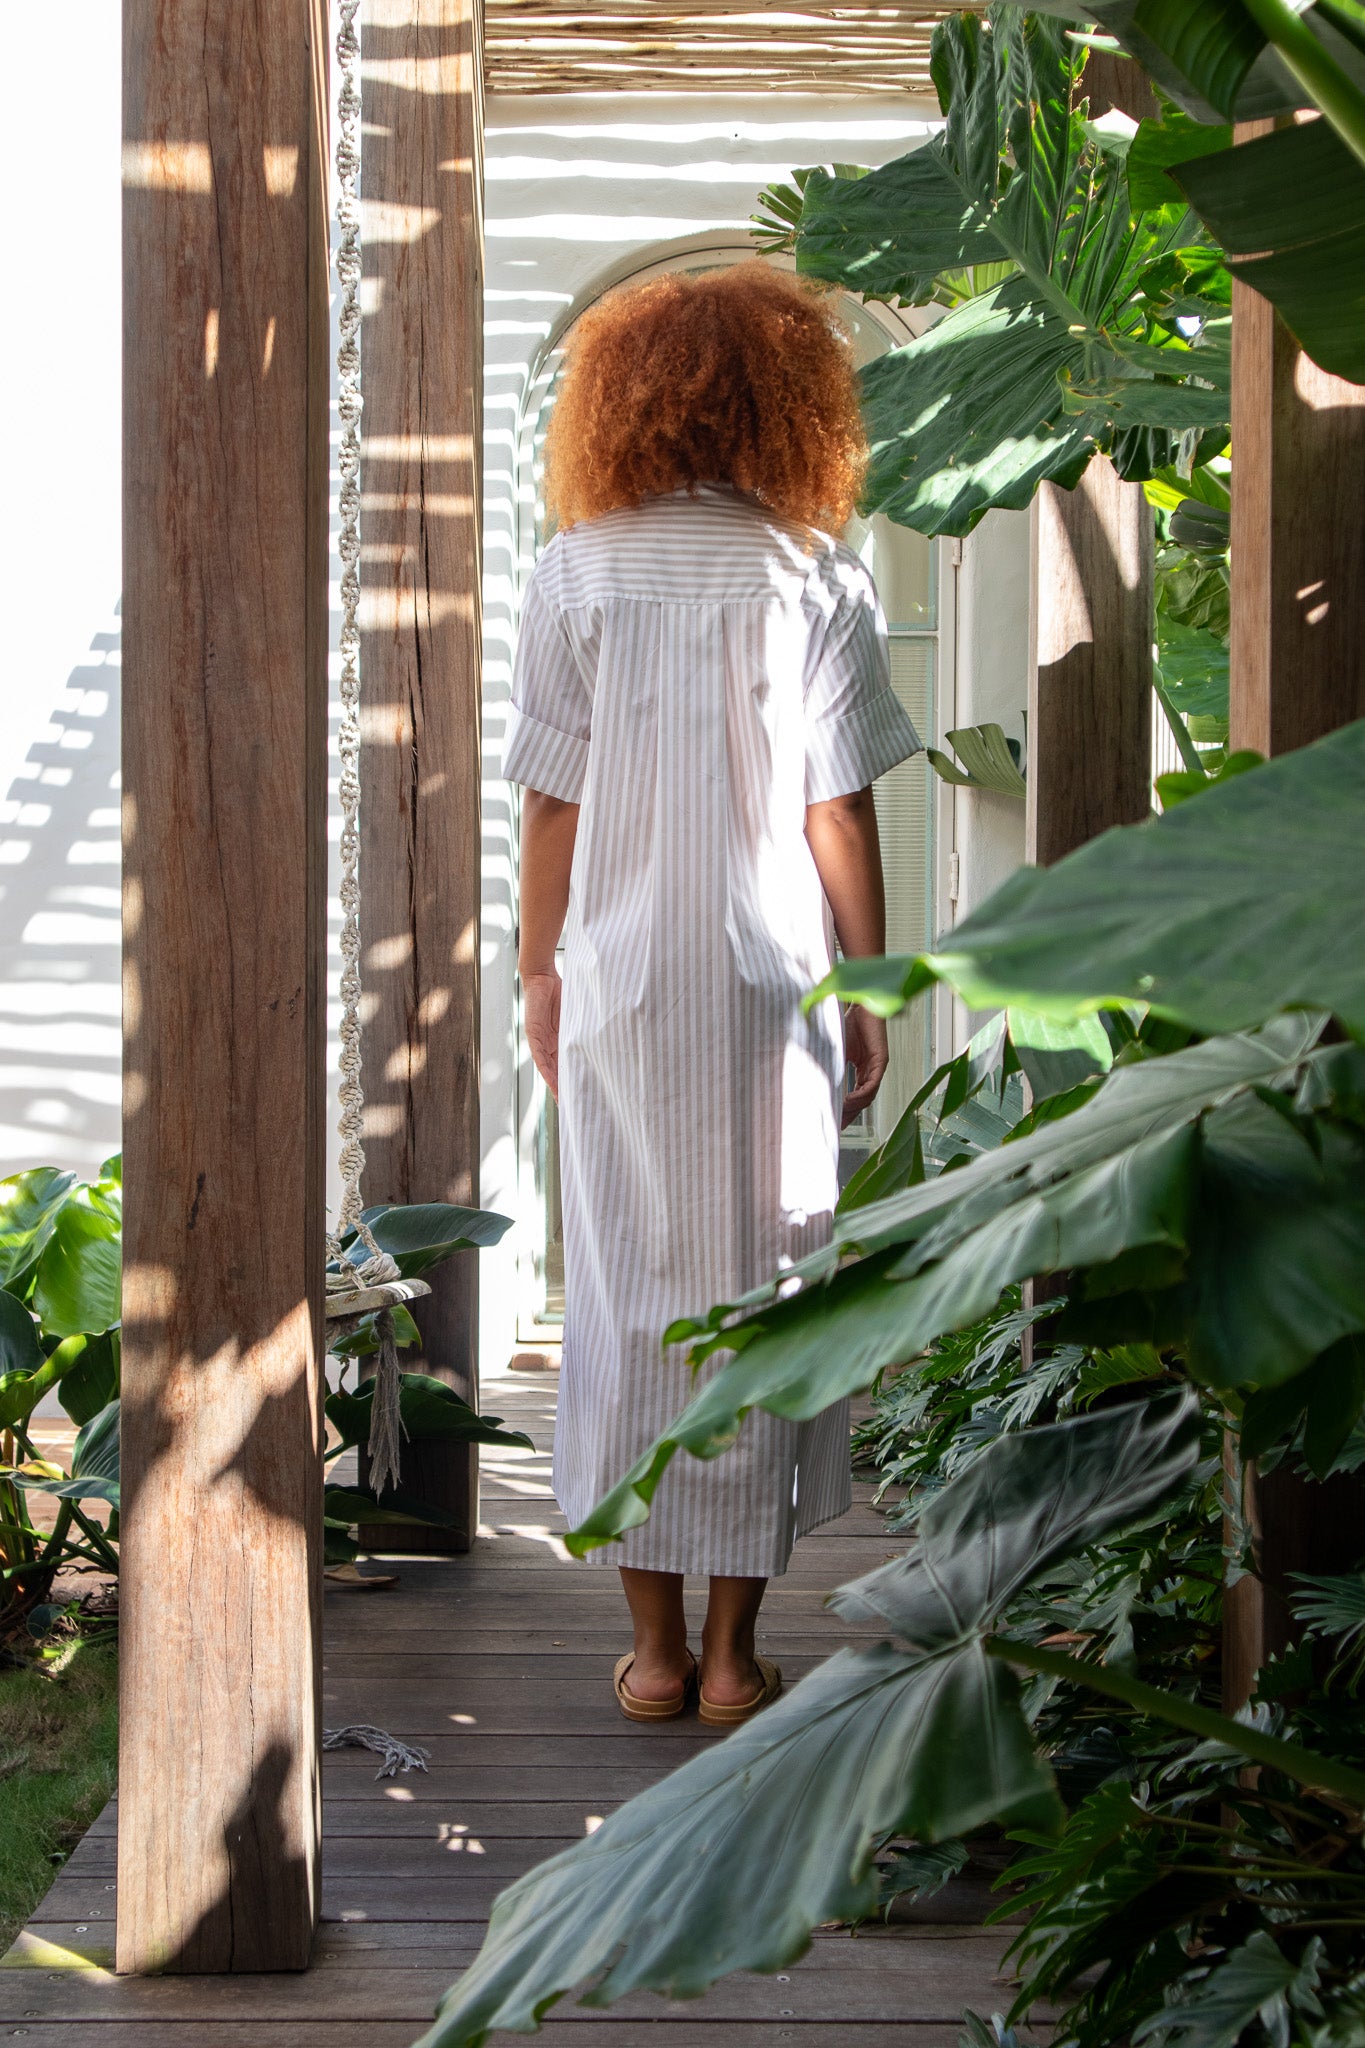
548	830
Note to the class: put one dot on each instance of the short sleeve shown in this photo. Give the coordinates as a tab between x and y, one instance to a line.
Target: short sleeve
551	711
856	725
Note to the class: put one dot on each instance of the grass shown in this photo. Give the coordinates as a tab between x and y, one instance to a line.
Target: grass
58	1746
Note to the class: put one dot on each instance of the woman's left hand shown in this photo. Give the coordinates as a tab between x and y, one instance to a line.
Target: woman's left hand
865	1049
541	996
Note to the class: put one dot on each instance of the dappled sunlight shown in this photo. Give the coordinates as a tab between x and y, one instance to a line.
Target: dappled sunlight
60	1041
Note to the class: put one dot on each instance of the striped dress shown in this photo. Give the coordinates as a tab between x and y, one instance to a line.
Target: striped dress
693	672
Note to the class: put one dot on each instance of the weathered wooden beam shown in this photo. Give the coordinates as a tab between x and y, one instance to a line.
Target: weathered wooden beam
422	357
224	802
1090	679
1298	626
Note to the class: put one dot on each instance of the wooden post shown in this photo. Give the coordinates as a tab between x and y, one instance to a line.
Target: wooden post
225	705
1090	682
1090	679
1298	627
1298	543
421	850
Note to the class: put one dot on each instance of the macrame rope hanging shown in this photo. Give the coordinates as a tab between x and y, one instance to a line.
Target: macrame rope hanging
356	1286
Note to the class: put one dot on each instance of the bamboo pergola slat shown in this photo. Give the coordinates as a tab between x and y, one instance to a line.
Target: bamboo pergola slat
707	46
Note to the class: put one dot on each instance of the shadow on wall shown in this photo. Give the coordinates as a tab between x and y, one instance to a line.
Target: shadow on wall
59	930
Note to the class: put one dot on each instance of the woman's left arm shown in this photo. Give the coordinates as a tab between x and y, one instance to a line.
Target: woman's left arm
842	835
548	830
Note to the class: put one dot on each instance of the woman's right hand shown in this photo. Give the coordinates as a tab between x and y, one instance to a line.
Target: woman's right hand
865	1049
541	997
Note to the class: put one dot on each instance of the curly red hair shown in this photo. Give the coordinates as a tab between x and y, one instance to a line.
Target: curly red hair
737	376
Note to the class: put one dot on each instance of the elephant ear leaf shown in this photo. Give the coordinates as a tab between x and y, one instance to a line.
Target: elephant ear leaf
94	1464
420	1235
1289	208
731	1862
983	1539
20	1351
29	1203
1067	353
77	1288
430	1412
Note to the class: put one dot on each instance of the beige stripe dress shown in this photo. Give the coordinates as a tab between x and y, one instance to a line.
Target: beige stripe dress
693	672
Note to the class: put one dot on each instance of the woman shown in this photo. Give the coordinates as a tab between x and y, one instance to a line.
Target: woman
701	703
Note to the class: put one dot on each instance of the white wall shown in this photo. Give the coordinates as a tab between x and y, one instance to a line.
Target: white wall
59	584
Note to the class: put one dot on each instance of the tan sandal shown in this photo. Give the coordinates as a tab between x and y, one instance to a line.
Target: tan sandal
716	1716
651	1710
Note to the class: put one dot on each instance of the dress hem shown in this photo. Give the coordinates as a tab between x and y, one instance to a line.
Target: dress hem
608	1554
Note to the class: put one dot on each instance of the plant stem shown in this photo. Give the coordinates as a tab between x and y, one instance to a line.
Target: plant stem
1347	17
1317	1773
1316	70
94	1534
1180	732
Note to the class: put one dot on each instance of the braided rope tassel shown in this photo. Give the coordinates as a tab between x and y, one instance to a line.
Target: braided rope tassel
378	1266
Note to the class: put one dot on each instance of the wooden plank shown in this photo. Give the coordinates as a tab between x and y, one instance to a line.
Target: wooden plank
1298	621
412	1864
492	1651
1090	676
225	706
894	1948
615	2031
422	357
804	1994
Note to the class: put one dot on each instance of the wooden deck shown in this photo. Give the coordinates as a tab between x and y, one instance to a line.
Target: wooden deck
499	1663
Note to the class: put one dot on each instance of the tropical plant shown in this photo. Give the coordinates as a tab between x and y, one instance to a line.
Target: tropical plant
925	1734
986	759
1205	1196
1108	331
59	1329
430	1412
60	1277
1288	207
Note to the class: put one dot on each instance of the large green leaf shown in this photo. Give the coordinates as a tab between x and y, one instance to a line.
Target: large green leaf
1026	381
20	1351
430	1410
91	1381
29	1203
1217	2003
988	760
345	1507
1194	670
1210	56
730	1862
94	1464
76	1290
979	1545
420	1235
1277	1250
1289	208
1220	913
1119	1179
22	1387
1174	139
